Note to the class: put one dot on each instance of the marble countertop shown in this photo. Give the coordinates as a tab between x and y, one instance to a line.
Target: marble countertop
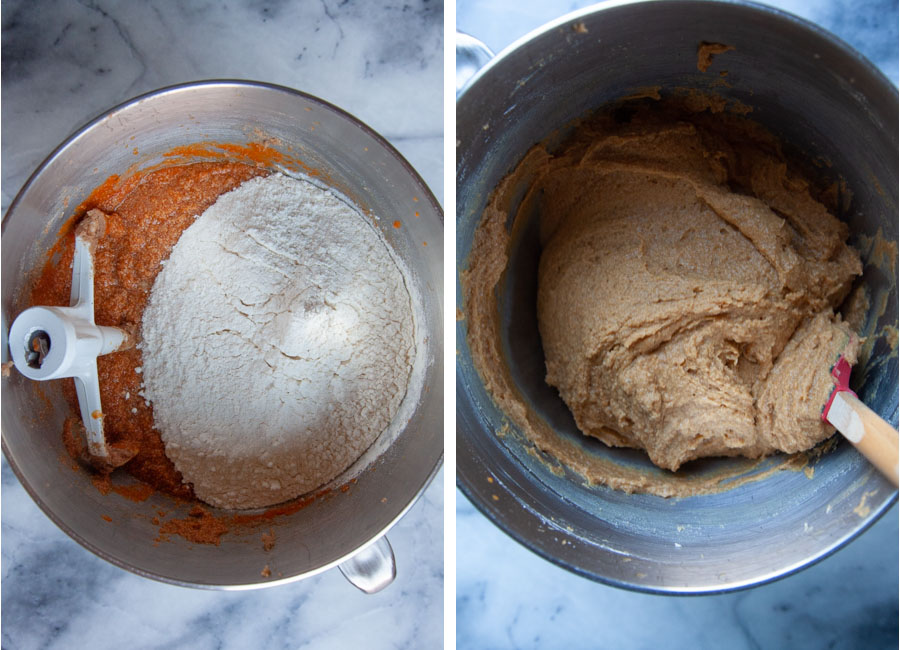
64	62
508	597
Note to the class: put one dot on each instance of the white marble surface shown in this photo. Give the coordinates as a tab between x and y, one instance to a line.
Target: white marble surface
63	63
508	597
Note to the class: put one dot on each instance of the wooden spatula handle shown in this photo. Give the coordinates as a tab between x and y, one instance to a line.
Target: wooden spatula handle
872	436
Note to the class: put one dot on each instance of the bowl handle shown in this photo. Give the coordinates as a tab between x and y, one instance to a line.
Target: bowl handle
471	56
373	568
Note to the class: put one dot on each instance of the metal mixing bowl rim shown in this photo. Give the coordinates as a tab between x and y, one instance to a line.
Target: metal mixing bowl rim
69	141
608	5
671	591
470	490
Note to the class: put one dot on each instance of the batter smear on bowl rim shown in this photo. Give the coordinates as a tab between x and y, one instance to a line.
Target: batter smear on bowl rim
277	331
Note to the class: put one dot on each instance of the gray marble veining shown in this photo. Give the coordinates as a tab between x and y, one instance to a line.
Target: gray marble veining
66	61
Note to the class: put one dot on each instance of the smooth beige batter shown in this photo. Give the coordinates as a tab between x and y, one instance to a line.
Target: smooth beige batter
686	291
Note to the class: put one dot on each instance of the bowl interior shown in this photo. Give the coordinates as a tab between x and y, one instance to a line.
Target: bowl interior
836	112
349	157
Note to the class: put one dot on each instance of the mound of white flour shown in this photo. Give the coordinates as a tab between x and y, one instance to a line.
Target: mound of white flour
278	343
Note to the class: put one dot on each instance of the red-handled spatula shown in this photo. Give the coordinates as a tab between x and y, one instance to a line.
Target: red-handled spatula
872	436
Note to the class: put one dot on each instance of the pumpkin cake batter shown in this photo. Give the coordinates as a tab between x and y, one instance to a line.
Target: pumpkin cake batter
137	222
686	290
145	216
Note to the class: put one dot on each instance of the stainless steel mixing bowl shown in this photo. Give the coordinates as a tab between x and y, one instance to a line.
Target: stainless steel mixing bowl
819	96
355	160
